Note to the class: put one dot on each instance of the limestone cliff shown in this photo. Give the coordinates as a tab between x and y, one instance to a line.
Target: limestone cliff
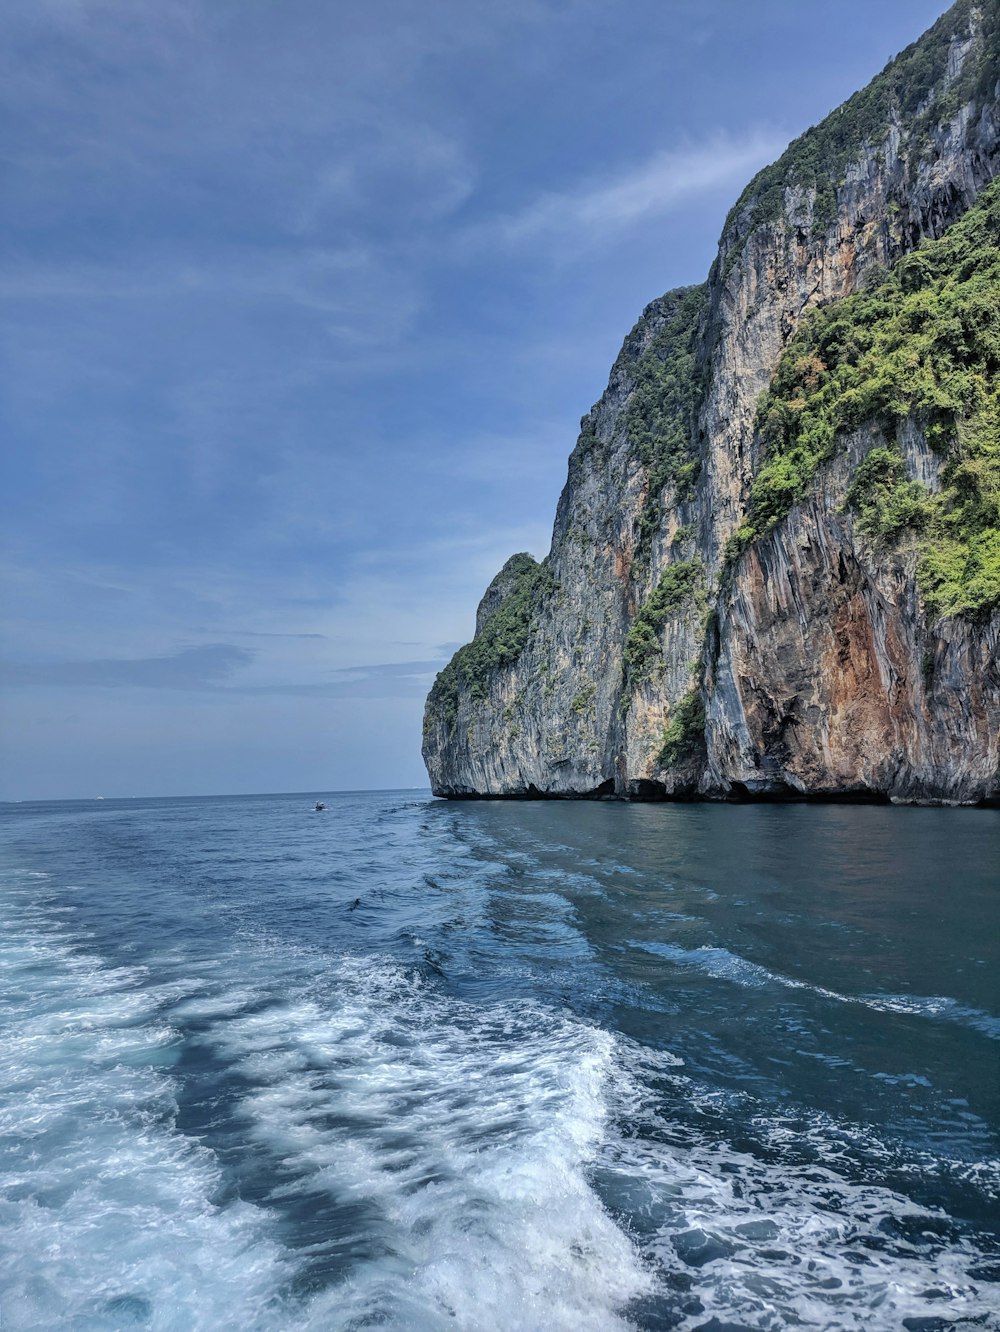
771	564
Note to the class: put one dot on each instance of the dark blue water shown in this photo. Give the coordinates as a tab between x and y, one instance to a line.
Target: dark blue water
417	1065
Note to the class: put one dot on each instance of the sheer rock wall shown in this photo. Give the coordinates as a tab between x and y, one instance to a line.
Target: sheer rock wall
818	668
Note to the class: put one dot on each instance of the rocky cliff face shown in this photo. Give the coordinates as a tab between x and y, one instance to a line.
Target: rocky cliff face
826	677
715	617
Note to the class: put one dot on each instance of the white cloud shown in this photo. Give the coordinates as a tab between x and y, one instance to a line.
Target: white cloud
603	209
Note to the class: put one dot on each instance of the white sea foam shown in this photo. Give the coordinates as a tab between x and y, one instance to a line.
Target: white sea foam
447	1164
722	964
774	1244
462	1134
106	1212
492	1147
465	1132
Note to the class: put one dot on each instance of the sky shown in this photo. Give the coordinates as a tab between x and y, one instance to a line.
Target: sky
304	300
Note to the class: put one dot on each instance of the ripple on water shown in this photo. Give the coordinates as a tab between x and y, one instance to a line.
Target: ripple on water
265	1135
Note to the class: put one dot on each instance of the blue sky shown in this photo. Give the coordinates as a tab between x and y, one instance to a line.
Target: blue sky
304	301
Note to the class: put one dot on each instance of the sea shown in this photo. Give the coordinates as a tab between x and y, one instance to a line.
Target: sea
411	1064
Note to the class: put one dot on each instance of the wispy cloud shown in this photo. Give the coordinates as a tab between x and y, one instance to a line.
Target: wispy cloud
390	669
602	210
268	633
356	297
192	668
381	680
211	668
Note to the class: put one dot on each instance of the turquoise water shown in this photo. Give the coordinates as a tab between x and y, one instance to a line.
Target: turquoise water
410	1064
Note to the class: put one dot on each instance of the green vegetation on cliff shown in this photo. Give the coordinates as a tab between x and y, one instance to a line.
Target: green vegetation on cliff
501	641
678	586
886	502
684	737
923	341
911	91
660	416
957	530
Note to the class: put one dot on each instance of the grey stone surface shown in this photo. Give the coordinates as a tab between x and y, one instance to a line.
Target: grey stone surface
817	667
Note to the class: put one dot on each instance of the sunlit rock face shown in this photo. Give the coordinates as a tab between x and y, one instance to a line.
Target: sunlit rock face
653	653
